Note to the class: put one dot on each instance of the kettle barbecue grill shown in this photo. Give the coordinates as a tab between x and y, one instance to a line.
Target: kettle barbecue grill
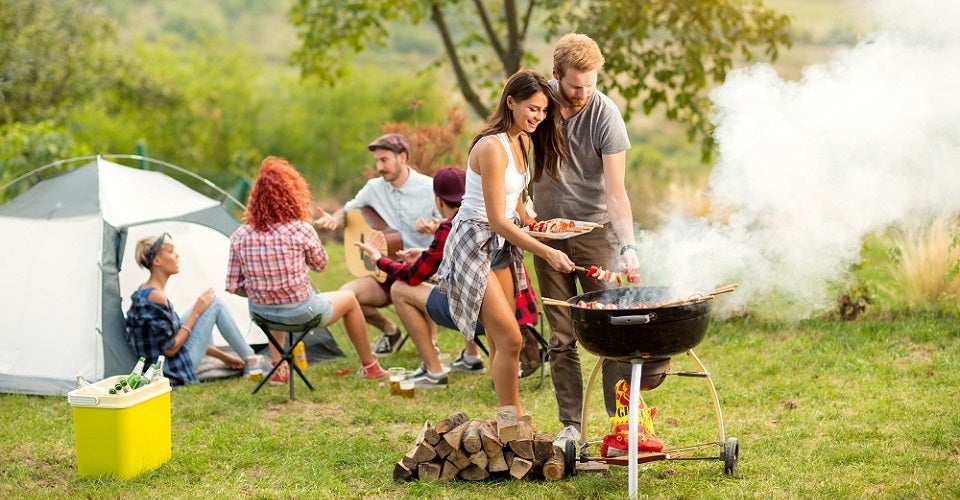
638	332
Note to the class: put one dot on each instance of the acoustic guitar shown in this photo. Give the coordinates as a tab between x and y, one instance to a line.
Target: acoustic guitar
358	224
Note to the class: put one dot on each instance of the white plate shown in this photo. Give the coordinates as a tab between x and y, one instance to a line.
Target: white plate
587	227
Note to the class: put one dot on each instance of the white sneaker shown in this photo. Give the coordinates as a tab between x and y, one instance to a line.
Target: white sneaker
568	433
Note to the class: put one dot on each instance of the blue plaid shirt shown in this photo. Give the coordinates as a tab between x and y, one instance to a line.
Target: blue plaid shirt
150	330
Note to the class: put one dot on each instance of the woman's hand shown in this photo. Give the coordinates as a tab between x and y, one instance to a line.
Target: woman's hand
559	260
206	298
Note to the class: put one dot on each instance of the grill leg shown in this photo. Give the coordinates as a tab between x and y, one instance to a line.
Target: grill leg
633	425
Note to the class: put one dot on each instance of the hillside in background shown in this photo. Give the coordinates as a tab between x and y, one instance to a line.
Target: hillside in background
664	166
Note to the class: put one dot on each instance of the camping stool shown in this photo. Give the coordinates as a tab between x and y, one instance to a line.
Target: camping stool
295	334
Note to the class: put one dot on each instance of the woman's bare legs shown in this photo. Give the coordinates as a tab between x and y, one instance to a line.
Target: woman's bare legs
346	306
500	321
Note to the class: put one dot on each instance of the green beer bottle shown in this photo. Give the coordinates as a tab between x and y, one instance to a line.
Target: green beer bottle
134	378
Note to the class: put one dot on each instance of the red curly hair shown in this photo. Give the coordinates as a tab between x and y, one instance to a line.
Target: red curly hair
279	195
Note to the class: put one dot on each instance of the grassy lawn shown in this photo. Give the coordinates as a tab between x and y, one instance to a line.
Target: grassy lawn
821	409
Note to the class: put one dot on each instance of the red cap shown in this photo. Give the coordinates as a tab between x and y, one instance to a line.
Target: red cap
449	184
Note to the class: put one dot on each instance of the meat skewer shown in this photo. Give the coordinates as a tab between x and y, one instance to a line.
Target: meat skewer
600	274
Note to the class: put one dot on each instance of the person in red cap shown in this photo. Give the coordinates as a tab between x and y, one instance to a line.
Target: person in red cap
410	289
403	198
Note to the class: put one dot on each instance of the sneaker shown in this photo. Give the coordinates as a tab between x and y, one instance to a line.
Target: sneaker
463	366
281	376
568	433
373	371
424	380
388	343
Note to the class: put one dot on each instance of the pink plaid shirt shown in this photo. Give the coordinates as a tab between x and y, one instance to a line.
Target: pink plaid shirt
272	267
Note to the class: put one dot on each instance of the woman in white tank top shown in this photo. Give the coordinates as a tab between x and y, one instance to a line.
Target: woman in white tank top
482	266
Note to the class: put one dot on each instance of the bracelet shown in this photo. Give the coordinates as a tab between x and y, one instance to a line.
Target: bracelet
624	249
187	328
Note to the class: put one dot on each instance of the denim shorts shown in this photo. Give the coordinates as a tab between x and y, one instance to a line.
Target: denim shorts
438	308
296	313
502	257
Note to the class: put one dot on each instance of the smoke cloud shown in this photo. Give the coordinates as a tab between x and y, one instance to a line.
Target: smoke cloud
808	168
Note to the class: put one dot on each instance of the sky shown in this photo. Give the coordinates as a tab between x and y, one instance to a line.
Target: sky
808	167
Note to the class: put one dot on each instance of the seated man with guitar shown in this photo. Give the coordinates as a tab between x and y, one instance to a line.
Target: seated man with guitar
412	273
398	202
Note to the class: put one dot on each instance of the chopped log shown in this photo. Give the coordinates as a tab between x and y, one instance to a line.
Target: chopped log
479	459
423	430
450	422
592	466
401	472
507	423
459	458
454	436
553	467
443	448
492	447
525	427
429	434
508	457
423	452
520	467
522	447
408	461
488	434
471	441
542	447
449	471
429	471
496	462
474	473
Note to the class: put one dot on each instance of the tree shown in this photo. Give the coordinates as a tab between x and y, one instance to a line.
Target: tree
51	56
660	53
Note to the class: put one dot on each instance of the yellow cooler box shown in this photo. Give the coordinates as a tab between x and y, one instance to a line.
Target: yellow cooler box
121	435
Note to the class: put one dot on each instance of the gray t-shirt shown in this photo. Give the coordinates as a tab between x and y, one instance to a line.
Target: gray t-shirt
580	191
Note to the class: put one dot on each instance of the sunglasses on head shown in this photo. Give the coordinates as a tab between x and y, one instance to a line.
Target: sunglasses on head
155	248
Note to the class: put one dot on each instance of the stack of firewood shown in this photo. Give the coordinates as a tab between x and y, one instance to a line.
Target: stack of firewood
474	450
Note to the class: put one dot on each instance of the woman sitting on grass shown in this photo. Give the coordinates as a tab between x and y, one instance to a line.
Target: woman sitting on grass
155	328
270	258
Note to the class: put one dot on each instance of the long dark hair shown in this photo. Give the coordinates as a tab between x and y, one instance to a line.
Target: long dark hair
549	142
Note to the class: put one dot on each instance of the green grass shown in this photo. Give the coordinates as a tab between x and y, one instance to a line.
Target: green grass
821	409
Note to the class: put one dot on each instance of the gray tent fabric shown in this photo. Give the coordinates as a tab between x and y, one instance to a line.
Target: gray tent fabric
62	257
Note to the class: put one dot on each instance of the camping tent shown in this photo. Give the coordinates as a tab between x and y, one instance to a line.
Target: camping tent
68	269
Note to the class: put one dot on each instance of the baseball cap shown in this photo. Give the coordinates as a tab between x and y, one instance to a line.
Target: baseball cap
393	142
449	184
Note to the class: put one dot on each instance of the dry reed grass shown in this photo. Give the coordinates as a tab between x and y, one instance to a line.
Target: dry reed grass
926	253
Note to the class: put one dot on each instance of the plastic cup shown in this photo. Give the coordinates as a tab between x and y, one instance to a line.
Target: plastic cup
397	375
406	388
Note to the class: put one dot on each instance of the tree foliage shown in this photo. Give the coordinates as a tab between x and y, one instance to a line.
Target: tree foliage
53	53
660	53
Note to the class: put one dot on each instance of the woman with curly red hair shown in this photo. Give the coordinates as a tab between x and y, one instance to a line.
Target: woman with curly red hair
270	258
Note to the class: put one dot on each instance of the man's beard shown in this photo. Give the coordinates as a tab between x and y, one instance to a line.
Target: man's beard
572	100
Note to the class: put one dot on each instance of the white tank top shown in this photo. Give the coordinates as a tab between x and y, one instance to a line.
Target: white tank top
473	207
